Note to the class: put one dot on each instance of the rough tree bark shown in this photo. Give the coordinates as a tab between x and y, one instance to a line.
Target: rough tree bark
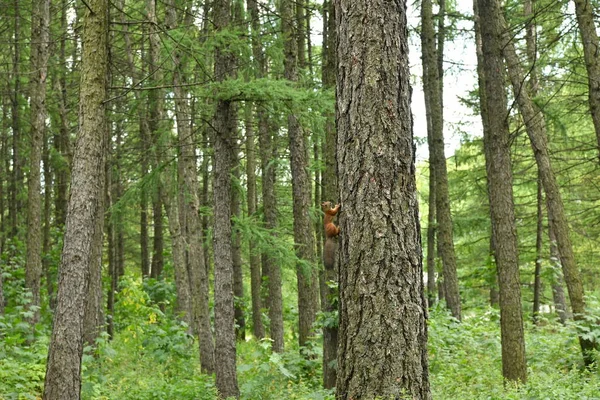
383	331
40	42
63	373
437	158
224	141
498	165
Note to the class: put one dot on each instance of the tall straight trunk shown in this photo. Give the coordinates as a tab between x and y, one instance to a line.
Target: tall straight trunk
258	329
236	247
268	158
17	173
48	185
225	155
155	131
498	165
558	292
63	371
301	32
589	37
329	193
382	304
536	130
301	191
189	207
431	234
437	158
539	247
110	245
62	140
40	41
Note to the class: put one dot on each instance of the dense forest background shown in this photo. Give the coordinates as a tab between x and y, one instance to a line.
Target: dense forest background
203	134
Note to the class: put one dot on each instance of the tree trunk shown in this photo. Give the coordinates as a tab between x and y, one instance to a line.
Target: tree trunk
498	165
557	219
16	180
432	91
329	301
40	41
431	234
236	246
189	208
63	373
268	158
255	278
382	304
587	28
558	292
301	191
539	247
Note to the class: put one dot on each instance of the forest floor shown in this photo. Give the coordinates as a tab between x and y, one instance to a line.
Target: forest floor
152	357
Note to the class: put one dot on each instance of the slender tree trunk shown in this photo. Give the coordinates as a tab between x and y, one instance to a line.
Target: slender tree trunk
438	159
558	292
268	158
255	278
557	219
382	304
236	248
225	147
17	173
431	234
189	209
499	174
63	373
329	193
589	36
110	248
40	41
539	247
301	188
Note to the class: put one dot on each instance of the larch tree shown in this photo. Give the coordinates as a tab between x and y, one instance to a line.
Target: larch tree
63	371
40	42
225	124
383	312
433	106
500	191
589	36
535	124
301	189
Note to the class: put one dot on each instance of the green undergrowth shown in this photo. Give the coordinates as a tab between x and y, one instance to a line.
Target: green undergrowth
152	356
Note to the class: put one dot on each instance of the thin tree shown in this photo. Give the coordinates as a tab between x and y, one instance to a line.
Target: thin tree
40	41
329	193
589	37
433	106
498	165
224	137
536	130
63	371
301	190
382	304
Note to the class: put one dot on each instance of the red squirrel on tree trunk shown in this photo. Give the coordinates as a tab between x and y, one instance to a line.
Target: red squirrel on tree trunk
331	233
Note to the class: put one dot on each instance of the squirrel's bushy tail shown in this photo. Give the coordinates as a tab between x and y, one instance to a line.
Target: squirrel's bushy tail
329	251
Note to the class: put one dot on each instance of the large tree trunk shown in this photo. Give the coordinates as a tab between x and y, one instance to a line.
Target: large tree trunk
498	165
301	191
330	193
63	373
40	41
382	304
268	157
587	27
432	91
557	219
255	277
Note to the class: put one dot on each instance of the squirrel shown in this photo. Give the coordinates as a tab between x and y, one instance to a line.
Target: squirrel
331	233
